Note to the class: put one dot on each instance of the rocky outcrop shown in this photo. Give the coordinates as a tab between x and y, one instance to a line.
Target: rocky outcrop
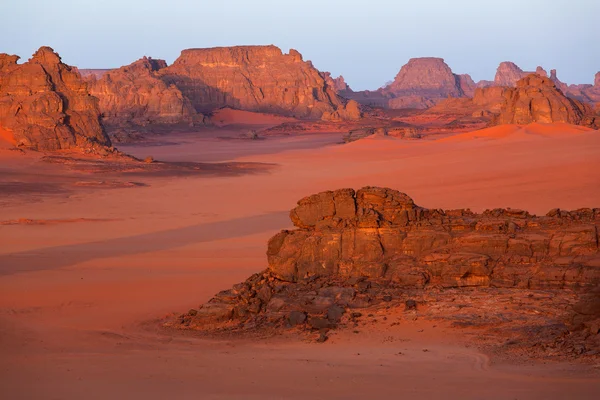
369	249
338	84
252	78
46	105
534	99
135	94
421	83
508	73
586	93
537	99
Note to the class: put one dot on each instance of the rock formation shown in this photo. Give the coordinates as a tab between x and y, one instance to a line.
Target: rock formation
97	73
534	99
508	73
46	105
537	99
252	78
421	83
135	94
355	250
338	84
586	93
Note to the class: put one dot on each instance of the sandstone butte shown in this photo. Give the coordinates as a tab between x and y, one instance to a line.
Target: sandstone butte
350	250
135	94
256	78
45	105
534	99
421	83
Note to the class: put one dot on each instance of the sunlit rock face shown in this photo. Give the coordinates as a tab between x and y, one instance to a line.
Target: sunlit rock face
45	105
253	78
136	94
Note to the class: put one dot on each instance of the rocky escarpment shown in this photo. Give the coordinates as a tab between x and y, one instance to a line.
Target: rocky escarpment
45	105
136	95
374	249
253	78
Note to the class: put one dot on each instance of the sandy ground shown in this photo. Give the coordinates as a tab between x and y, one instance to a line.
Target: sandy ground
78	287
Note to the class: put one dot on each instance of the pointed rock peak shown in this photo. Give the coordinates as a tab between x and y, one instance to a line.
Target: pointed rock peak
7	60
541	71
296	54
597	79
46	55
553	75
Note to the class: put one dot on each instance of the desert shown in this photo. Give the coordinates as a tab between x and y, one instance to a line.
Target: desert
237	223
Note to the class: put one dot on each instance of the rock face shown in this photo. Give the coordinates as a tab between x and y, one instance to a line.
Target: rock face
338	84
508	73
252	78
97	73
537	99
369	249
46	105
421	83
534	99
585	93
135	94
380	233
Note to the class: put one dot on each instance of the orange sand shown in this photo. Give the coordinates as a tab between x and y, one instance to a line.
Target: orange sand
6	136
74	297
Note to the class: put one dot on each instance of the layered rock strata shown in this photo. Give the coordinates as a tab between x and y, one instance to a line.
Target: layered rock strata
360	250
136	95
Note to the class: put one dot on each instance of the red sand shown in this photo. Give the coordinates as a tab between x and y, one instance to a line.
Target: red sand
74	297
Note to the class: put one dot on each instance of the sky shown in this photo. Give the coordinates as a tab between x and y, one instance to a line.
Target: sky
366	41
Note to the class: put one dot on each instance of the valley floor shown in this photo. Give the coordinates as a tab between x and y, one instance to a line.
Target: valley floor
89	259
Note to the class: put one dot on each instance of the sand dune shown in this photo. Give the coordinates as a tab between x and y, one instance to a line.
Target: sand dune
76	298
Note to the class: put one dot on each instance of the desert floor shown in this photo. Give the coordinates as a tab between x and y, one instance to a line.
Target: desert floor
89	260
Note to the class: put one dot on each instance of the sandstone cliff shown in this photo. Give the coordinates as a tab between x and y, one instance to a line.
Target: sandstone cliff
45	104
252	78
135	94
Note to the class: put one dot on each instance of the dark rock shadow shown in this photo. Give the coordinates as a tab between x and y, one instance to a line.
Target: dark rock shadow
64	256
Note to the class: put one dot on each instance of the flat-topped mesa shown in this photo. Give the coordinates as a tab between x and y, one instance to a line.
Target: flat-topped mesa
136	95
252	78
45	105
421	83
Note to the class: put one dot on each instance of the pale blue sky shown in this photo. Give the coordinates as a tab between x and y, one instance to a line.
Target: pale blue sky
366	41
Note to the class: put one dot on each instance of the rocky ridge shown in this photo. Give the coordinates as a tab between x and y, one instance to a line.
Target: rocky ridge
253	78
136	95
376	251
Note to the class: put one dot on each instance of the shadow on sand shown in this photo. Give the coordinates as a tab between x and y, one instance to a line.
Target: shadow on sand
63	256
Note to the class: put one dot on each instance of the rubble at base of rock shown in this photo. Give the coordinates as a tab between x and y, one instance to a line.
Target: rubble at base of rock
358	253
